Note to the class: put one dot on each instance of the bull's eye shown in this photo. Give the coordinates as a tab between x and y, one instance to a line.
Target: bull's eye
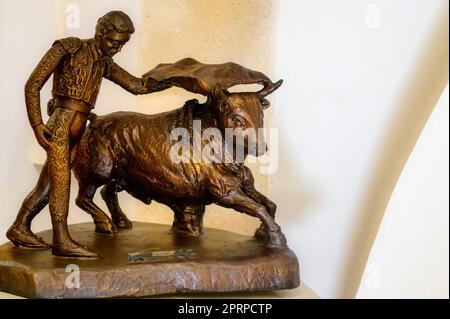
238	121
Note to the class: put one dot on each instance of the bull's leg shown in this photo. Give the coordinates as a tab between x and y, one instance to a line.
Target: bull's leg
249	189
109	195
270	206
103	224
197	221
188	219
244	204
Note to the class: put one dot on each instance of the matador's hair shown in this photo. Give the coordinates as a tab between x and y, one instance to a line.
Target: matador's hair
114	20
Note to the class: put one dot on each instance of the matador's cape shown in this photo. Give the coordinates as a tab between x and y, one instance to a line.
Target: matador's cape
197	77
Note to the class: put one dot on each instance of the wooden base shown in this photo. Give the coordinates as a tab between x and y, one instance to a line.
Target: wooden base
149	259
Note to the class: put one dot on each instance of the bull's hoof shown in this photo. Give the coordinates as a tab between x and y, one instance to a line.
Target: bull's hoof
25	238
123	223
276	240
73	250
106	228
188	230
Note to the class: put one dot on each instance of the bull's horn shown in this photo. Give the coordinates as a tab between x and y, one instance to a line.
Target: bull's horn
269	88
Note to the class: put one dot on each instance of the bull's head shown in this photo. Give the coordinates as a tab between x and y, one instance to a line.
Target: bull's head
243	113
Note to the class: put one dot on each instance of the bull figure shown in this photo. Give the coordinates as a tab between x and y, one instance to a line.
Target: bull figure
132	152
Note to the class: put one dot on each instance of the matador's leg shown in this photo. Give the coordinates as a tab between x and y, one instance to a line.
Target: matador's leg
59	173
20	233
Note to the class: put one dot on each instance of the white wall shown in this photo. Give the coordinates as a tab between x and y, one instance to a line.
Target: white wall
355	97
409	258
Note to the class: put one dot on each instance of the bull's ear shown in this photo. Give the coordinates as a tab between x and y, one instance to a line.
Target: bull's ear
219	93
264	103
220	97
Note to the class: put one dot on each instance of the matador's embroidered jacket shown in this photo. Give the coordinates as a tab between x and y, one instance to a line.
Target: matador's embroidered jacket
78	68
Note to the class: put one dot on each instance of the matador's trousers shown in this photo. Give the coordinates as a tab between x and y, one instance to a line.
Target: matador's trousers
66	127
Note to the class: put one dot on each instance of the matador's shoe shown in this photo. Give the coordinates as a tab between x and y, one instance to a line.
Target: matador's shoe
24	237
72	249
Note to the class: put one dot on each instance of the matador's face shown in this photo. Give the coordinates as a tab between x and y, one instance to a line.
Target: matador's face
113	41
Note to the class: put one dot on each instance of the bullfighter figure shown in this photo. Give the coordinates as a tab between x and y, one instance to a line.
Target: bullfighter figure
78	67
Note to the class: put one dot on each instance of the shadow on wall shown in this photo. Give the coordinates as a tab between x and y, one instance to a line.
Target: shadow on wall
415	106
294	211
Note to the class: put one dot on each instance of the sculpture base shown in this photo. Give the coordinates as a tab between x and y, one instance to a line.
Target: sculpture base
149	259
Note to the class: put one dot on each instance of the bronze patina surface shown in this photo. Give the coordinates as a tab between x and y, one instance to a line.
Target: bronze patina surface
220	261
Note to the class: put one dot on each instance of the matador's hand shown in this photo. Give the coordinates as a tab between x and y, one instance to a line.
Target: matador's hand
155	86
42	134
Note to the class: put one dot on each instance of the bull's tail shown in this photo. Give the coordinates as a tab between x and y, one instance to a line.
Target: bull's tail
51	106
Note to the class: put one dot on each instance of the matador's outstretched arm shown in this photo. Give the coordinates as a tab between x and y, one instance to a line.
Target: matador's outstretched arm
131	83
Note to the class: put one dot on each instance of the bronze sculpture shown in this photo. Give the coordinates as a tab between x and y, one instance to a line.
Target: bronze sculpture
77	67
131	151
178	158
